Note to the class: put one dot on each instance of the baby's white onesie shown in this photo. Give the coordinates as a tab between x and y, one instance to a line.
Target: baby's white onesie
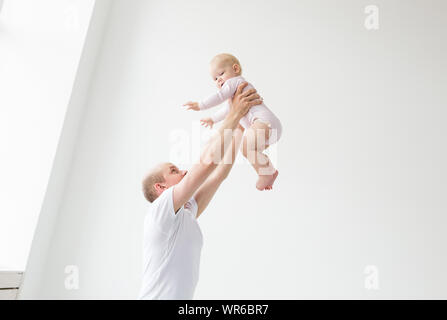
259	111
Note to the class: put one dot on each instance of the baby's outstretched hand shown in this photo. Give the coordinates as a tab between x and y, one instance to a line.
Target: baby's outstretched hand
192	106
207	122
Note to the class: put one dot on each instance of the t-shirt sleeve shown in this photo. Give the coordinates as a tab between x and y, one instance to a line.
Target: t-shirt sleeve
194	207
162	210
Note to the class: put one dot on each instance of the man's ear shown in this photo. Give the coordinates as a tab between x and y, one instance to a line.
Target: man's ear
159	187
236	68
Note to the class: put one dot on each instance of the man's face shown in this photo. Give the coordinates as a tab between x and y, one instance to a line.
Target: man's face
172	174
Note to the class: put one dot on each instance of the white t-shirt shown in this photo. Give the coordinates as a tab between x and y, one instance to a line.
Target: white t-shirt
172	247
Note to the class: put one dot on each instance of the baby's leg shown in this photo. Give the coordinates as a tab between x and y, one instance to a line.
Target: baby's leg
253	146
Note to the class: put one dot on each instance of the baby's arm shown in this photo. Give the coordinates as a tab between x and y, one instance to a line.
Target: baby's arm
218	116
227	91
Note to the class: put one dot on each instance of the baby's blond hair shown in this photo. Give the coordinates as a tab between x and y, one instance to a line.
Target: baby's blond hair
227	59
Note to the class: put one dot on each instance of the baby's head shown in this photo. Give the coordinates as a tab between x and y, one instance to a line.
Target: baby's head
223	67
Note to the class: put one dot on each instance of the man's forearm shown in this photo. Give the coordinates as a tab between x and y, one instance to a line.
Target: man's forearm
225	166
207	190
208	161
221	142
218	146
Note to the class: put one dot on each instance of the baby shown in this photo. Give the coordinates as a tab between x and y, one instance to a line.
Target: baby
262	127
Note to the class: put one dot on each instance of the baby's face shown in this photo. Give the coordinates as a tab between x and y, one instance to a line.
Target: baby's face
221	72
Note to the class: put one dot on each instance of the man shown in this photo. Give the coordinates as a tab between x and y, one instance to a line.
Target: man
172	236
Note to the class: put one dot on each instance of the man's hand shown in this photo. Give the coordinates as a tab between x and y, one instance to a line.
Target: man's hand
243	101
192	106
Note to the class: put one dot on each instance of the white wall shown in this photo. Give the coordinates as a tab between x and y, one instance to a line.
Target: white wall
40	46
362	158
37	261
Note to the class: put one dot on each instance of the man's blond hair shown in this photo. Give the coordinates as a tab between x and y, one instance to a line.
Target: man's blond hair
153	177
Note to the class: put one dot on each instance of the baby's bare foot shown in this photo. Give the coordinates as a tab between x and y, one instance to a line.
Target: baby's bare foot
270	185
265	182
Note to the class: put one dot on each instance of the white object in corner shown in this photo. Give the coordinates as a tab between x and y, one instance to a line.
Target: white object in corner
1	5
9	284
10	279
8	294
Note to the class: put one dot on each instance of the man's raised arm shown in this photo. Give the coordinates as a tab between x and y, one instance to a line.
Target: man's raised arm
207	190
216	147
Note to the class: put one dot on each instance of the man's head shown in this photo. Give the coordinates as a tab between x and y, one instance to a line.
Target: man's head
223	67
160	178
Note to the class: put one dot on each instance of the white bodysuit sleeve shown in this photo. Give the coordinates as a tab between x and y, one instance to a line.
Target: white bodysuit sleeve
227	91
221	113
